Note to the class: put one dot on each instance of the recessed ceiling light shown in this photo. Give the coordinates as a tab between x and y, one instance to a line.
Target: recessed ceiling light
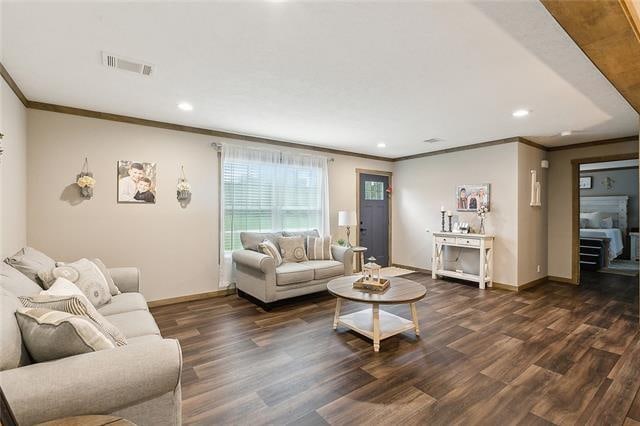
382	145
520	113
185	106
566	133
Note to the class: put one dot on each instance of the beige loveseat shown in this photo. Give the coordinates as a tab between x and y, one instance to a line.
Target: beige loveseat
139	381
257	276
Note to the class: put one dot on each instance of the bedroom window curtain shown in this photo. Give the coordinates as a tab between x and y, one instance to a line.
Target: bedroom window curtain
268	191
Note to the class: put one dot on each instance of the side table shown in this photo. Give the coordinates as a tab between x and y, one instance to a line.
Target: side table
359	252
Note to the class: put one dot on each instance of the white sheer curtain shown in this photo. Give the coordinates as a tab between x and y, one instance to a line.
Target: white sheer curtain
265	190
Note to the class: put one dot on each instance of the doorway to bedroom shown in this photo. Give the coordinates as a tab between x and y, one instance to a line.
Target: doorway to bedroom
607	219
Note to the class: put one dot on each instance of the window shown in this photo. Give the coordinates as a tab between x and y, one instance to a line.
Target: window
373	190
271	191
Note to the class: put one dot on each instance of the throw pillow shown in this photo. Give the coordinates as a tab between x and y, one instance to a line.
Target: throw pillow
76	305
105	272
30	261
50	335
319	248
292	249
86	275
269	248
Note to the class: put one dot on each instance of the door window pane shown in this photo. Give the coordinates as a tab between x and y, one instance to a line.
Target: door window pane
373	190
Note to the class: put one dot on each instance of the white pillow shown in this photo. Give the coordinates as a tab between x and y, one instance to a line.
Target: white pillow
584	223
62	287
606	223
592	219
85	275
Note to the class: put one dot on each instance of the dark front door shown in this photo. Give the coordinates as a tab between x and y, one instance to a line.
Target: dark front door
374	217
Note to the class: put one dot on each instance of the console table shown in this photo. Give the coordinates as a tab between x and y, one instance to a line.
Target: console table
480	242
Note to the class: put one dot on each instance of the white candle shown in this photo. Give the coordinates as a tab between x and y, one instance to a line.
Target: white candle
449	213
441	208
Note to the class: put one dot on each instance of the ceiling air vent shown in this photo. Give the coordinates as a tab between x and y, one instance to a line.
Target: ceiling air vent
120	63
432	140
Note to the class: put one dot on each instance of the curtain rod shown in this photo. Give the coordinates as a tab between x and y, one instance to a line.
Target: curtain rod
218	147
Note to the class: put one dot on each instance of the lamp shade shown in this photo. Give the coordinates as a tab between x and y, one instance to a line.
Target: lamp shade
347	218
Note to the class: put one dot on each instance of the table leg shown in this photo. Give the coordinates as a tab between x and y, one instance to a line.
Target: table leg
376	327
337	314
483	272
414	317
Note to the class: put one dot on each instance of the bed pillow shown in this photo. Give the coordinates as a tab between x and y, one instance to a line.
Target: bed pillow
49	334
86	275
606	223
592	220
584	223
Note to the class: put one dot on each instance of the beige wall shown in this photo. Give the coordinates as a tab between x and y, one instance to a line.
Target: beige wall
560	206
422	185
13	172
532	221
176	248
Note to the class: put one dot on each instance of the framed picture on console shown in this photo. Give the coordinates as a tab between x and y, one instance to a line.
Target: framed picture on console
471	196
137	182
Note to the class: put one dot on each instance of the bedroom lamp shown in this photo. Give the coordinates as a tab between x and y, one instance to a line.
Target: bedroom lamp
347	219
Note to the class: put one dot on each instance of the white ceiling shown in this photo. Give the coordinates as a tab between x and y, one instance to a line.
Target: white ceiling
338	75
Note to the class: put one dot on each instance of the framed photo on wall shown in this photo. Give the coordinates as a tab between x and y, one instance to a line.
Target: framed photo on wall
137	182
470	197
586	182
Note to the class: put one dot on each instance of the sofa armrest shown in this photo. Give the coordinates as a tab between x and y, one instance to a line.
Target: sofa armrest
255	260
93	383
126	279
345	255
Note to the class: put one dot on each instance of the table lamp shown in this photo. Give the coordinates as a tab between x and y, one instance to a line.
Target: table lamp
347	219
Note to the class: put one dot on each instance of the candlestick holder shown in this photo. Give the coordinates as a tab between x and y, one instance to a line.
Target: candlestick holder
442	213
450	220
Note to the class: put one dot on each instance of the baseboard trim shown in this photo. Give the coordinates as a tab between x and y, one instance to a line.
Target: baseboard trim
562	280
502	286
411	268
191	297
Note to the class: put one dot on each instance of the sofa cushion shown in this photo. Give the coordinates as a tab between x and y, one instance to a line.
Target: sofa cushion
12	351
16	282
149	338
134	323
107	275
270	249
325	268
293	273
303	234
76	304
83	273
125	302
319	248
50	335
30	261
251	240
292	249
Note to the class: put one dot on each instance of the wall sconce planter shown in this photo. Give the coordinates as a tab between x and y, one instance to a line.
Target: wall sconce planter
85	181
535	190
183	187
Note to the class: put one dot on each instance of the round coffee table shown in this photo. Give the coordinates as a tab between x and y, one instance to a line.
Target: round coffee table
376	323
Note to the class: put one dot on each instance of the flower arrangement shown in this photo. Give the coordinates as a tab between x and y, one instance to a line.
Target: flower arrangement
86	181
482	214
183	188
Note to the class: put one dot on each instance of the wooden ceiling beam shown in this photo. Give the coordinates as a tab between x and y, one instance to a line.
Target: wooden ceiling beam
608	33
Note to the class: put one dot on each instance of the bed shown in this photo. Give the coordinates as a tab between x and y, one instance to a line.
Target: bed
592	212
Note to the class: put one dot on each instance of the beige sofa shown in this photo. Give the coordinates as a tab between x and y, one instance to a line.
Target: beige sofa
258	279
139	381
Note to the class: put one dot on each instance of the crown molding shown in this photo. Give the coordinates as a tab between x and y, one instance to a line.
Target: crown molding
12	84
630	138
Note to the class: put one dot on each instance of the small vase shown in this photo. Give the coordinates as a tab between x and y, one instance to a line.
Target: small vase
86	192
481	226
183	195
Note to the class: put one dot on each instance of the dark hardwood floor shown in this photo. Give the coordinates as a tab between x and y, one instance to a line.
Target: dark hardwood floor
554	354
